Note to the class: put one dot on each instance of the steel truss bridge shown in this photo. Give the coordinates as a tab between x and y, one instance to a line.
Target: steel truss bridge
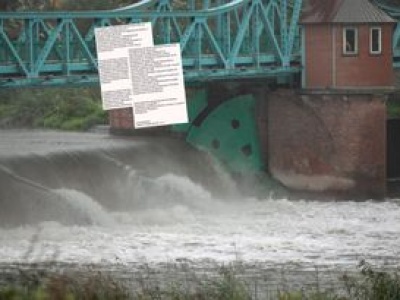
394	12
220	39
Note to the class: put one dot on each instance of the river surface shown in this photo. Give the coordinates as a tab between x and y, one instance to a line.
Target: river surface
88	198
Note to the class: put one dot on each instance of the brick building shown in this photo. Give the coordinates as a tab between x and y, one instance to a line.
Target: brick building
347	44
330	137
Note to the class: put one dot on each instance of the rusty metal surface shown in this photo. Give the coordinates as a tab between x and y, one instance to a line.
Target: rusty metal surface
317	11
343	11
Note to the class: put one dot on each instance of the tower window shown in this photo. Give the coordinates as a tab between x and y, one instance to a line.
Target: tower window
375	40
350	41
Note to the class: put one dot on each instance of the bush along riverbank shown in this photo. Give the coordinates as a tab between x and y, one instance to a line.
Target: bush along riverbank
367	284
52	108
74	108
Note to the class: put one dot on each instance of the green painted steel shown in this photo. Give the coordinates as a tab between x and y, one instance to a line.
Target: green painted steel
230	133
228	130
394	12
219	39
196	103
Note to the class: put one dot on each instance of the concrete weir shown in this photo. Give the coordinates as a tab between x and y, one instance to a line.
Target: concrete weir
37	167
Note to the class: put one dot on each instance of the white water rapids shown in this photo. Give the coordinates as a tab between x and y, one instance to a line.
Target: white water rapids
174	218
200	229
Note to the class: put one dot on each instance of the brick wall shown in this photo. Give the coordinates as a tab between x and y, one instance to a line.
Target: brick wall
121	118
318	56
332	144
122	123
364	69
327	67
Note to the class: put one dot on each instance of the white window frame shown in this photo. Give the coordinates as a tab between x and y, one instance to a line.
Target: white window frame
345	50
379	51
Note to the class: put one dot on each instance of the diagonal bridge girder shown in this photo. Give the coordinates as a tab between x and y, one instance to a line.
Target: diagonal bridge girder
219	39
394	12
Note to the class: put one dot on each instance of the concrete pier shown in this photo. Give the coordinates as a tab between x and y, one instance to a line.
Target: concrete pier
329	143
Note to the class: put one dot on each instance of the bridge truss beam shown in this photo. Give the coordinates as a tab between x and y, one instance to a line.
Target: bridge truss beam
394	12
227	40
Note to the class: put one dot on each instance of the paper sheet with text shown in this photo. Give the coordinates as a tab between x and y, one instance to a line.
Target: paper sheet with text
135	73
158	86
113	43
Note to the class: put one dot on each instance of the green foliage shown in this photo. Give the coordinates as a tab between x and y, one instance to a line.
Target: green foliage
96	287
66	109
226	285
373	285
290	295
300	295
393	109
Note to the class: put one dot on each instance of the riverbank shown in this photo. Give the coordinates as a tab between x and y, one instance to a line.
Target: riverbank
181	281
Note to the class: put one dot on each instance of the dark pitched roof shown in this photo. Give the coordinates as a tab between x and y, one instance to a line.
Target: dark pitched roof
342	11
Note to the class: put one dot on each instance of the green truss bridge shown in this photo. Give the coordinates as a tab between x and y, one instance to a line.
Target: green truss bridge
394	12
220	39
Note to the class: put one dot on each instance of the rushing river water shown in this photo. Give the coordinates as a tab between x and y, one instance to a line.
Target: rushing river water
76	198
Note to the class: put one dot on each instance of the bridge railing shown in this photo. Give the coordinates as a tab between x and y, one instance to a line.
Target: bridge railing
220	39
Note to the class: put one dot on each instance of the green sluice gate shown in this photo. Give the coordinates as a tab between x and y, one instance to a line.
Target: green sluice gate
227	130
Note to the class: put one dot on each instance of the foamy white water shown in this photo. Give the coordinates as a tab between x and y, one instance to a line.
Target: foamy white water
144	208
184	222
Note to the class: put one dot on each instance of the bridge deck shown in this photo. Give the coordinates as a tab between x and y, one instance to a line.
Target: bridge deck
231	40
